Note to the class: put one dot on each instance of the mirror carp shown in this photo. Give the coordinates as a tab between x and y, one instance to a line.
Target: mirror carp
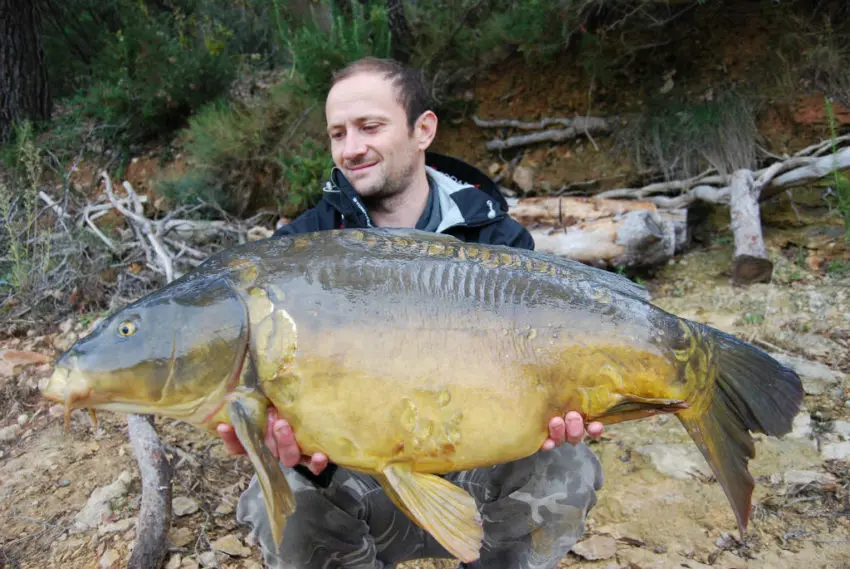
407	355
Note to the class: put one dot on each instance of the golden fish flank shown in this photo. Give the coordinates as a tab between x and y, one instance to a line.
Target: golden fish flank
430	428
541	354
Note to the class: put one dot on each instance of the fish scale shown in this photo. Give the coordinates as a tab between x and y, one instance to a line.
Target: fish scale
406	355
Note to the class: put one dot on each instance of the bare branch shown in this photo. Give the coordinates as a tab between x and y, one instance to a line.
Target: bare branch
577	126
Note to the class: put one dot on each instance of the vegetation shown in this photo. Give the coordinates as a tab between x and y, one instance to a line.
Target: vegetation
234	90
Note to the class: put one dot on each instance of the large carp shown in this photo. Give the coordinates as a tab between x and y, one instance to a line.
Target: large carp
406	354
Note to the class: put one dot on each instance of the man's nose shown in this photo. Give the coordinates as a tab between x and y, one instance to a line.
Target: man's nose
353	147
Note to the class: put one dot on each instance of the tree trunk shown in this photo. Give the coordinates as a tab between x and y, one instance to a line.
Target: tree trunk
24	92
402	37
750	263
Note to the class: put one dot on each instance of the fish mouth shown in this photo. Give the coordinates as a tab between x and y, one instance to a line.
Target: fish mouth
70	388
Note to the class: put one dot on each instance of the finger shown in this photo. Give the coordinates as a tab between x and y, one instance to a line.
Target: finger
271	419
548	444
557	430
229	438
288	452
595	429
574	428
318	462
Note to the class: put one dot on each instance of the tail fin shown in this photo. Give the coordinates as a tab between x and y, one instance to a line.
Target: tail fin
752	393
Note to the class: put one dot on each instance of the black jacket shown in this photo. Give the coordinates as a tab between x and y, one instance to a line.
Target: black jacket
472	209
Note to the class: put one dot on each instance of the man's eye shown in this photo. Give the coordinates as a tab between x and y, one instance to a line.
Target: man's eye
370	127
336	135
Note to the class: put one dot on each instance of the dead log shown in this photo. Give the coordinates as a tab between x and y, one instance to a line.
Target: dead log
603	233
750	263
566	211
154	522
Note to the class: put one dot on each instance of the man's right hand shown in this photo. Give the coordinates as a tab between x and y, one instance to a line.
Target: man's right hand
281	442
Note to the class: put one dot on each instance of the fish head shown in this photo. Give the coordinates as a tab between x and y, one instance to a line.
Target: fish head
175	352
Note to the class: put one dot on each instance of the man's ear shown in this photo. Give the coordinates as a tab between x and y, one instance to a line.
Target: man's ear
425	129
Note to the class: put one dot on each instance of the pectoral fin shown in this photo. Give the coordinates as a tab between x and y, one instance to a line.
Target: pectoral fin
634	407
280	502
444	510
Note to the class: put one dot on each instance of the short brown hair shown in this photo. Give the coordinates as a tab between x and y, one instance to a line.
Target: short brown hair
410	90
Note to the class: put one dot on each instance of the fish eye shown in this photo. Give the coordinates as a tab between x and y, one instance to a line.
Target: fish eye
126	328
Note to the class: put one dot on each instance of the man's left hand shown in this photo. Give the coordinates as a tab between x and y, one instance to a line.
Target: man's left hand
571	429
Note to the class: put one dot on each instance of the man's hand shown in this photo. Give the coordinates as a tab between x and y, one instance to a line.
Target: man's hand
570	428
281	442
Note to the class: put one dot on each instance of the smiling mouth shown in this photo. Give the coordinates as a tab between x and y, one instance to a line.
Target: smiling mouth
361	167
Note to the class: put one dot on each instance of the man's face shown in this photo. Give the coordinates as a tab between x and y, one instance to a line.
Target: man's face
370	139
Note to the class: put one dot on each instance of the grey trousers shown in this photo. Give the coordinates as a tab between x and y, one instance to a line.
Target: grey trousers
533	512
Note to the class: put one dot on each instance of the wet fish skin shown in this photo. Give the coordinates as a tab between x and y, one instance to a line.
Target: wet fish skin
404	354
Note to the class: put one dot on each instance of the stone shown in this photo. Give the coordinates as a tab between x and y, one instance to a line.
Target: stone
596	547
836	451
10	433
109	559
841	428
816	377
806	477
801	428
224	509
189	563
180	537
117	527
184	506
523	177
231	545
174	561
208	559
99	506
676	460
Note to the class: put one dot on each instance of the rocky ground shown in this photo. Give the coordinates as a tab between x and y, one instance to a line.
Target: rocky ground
70	499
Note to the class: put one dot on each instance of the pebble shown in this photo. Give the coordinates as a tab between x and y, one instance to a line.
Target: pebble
108	559
208	559
231	545
836	451
596	547
180	537
184	506
99	507
174	561
9	433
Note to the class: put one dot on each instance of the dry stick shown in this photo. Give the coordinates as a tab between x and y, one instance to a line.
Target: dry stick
577	126
154	467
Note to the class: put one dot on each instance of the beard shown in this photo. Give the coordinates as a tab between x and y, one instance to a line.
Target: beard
387	187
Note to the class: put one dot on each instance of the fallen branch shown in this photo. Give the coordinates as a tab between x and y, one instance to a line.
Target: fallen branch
155	510
523	125
154	521
575	127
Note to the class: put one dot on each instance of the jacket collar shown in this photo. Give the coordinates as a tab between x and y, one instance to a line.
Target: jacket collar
462	203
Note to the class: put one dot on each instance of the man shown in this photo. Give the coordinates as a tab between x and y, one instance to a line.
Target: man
380	127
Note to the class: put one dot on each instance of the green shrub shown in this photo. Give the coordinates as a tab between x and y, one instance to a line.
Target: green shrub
681	140
161	68
316	53
242	156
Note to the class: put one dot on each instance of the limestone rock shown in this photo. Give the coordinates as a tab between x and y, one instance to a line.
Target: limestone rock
596	547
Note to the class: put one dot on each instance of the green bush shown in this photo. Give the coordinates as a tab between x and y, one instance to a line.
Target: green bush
242	156
160	68
682	139
316	52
